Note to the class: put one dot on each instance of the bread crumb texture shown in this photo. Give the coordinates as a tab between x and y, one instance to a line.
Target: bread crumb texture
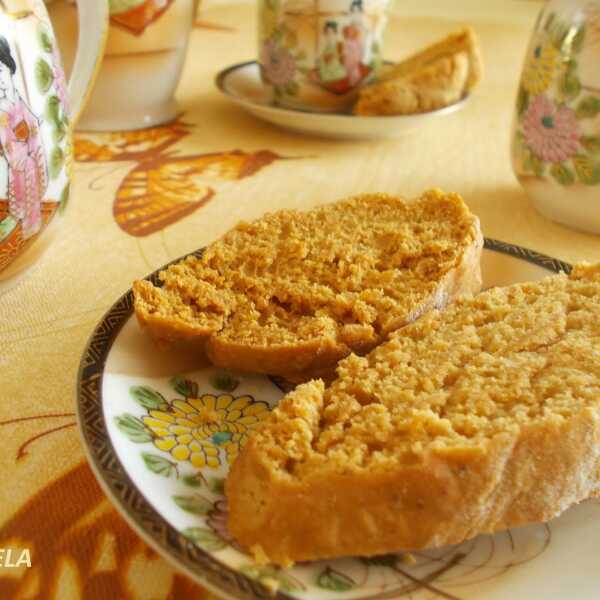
480	417
295	290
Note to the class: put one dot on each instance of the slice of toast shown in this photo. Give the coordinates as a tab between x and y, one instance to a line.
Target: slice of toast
297	291
435	77
475	419
464	40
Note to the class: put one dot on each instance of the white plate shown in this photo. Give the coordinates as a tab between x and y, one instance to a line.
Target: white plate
243	85
127	406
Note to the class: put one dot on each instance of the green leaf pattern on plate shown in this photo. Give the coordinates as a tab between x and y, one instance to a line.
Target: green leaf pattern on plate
273	578
224	382
195	504
336	581
159	465
148	398
195	480
205	538
217	485
185	387
133	428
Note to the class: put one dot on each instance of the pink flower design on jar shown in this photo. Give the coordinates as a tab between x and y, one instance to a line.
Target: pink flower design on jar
278	64
551	132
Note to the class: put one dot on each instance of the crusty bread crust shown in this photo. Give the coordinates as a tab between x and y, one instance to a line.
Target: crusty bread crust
472	420
449	497
301	357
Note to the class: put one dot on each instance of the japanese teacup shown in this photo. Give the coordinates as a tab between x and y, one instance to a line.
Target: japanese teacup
316	54
556	128
143	60
37	113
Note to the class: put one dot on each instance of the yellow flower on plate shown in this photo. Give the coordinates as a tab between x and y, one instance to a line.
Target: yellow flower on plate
195	429
543	65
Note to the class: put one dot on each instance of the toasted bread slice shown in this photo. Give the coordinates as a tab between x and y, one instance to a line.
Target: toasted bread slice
439	84
471	420
461	41
437	76
298	291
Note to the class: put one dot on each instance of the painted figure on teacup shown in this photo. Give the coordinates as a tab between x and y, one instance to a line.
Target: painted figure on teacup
22	149
354	46
330	64
342	63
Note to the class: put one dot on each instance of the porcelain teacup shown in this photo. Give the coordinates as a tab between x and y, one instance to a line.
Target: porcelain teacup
142	65
315	55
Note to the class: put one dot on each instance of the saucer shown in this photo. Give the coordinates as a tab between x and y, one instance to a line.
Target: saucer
140	412
242	84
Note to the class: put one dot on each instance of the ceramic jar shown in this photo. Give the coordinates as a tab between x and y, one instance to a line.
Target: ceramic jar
556	129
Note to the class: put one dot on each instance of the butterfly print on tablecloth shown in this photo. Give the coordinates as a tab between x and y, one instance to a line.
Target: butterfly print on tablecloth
163	188
85	549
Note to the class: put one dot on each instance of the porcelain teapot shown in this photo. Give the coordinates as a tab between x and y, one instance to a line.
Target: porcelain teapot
38	110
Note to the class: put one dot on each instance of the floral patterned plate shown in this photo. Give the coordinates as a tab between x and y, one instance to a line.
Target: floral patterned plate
243	85
161	431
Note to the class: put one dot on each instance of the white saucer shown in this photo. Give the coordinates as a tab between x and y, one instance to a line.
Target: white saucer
243	85
135	401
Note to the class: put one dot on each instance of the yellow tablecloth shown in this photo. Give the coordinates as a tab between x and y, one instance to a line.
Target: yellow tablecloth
216	165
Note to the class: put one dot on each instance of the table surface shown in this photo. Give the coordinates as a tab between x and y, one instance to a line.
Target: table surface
242	167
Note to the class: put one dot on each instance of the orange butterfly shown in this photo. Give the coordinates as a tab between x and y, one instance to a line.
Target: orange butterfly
85	549
129	145
162	189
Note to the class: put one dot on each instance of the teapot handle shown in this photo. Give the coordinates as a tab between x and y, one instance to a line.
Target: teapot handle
93	31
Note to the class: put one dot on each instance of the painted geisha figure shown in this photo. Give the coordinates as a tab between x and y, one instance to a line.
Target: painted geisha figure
342	57
22	149
353	48
330	65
